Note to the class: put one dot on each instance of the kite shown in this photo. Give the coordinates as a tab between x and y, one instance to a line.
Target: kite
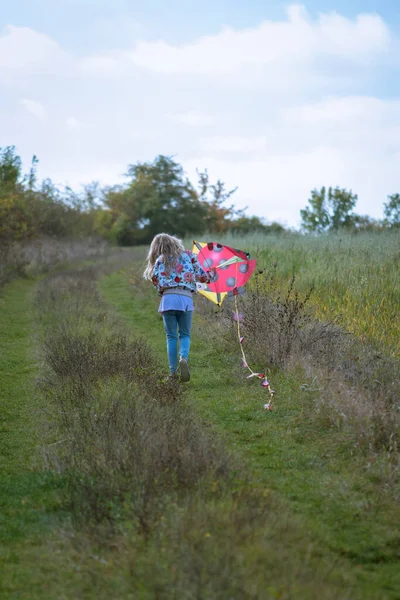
233	269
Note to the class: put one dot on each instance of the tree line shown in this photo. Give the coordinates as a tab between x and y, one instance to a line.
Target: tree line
332	209
157	196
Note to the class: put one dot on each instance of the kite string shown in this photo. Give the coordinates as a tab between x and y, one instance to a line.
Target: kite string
238	329
268	406
240	337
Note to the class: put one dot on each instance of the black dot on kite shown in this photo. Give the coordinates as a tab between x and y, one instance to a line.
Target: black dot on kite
218	248
243	268
231	282
221	262
208	263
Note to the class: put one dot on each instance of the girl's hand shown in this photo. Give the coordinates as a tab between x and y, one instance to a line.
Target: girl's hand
212	273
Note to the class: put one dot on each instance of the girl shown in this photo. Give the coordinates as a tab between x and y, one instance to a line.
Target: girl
174	271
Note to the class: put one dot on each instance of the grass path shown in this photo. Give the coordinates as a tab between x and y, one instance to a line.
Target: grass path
33	561
26	496
313	470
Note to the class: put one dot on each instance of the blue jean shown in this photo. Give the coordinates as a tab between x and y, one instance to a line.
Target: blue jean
177	321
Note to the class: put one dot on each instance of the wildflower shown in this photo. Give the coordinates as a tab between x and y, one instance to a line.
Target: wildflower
237	316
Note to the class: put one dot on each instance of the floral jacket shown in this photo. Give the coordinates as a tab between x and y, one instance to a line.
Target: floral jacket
185	274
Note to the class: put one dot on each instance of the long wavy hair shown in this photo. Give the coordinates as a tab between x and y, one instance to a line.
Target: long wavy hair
169	246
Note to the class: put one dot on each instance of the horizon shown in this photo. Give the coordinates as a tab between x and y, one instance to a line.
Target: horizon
93	87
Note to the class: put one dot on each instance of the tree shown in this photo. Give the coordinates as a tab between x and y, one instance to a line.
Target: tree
330	210
341	204
32	178
218	217
363	223
158	198
391	210
10	169
28	210
316	218
13	222
244	225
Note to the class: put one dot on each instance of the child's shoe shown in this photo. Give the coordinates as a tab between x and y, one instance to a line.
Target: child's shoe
184	369
172	377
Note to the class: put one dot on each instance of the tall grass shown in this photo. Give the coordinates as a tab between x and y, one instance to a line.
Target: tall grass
150	488
354	276
354	388
32	257
329	447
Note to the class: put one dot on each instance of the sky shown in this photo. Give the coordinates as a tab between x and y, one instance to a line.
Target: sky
275	98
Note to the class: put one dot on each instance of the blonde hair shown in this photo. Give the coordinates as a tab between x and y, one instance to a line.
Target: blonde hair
169	246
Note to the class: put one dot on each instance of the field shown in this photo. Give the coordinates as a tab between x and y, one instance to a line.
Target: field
116	482
354	276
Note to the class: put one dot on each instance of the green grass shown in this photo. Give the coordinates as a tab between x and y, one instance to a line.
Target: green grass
27	494
37	559
314	472
354	276
311	471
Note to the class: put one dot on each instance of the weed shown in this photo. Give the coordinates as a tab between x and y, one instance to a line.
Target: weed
146	477
357	389
19	259
355	277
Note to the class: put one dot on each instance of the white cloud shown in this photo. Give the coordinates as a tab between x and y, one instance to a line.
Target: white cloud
276	109
296	41
192	118
72	123
352	142
75	176
21	47
232	143
275	185
334	110
34	108
101	65
357	123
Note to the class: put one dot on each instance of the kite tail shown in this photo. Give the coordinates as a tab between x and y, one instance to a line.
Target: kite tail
245	363
264	381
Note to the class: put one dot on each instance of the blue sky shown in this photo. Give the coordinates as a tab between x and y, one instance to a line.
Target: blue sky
98	25
274	97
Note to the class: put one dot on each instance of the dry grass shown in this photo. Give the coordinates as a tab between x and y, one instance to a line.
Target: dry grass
19	259
354	276
353	387
127	435
146	481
